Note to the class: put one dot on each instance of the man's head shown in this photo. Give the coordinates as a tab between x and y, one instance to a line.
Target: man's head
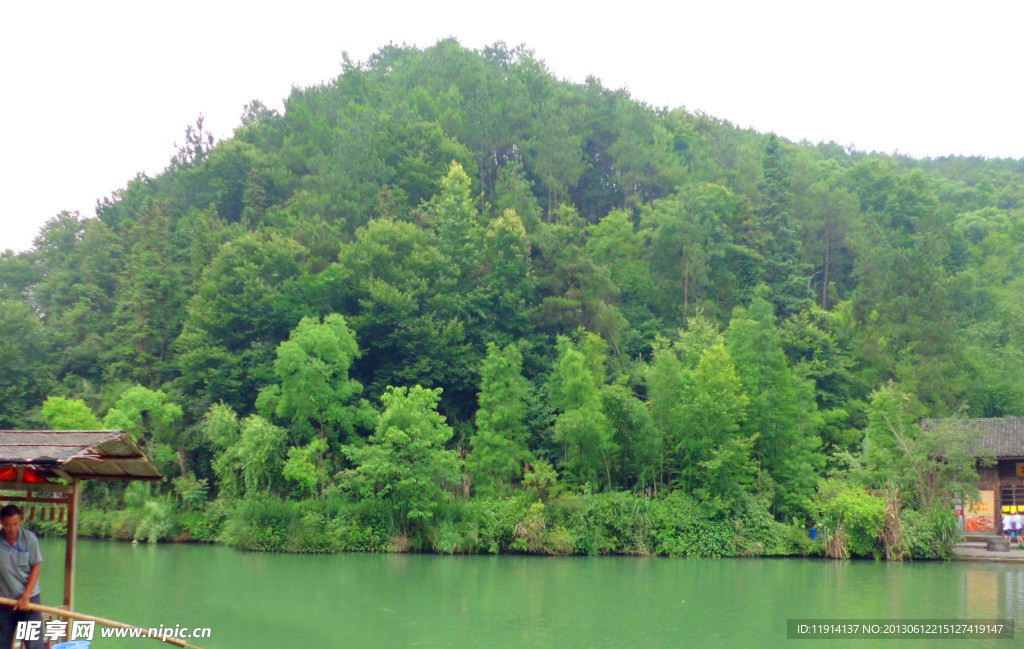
10	521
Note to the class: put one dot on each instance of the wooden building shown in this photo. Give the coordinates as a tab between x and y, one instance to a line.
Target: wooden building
1001	484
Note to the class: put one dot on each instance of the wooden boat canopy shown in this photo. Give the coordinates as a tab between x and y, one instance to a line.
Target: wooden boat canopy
76	455
49	466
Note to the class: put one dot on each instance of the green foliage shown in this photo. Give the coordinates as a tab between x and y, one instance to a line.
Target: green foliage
353	534
255	457
688	236
261	522
514	191
150	417
782	268
918	539
573	290
499	445
220	426
404	463
582	427
634	433
62	413
851	521
928	536
26	376
502	299
141	410
811	341
457	220
267	523
683	527
397	291
191	492
316	395
759	534
156	522
927	465
305	467
541	480
781	412
239	312
715	456
452	531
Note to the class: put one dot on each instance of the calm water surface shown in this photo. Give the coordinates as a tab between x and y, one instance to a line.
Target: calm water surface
388	601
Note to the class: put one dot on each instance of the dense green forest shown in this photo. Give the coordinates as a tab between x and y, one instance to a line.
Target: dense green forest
448	302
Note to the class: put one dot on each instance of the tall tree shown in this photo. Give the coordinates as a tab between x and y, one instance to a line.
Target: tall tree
514	191
26	372
315	393
153	419
782	413
831	213
500	442
581	426
404	465
615	244
243	307
457	221
783	270
634	435
249	454
505	296
398	291
927	466
574	291
687	237
555	149
713	455
316	396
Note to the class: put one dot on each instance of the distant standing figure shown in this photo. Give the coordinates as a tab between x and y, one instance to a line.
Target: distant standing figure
20	561
1007	525
1018	526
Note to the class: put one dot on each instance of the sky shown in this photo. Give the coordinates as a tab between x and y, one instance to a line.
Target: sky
93	93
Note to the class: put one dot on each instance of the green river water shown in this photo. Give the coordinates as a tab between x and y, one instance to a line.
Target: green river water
371	601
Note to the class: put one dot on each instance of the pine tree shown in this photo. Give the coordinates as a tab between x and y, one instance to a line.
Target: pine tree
783	271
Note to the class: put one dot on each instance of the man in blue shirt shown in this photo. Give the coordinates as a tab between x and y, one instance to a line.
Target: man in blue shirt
20	561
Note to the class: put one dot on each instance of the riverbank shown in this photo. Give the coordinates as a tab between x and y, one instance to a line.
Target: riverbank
975	547
562	525
676	525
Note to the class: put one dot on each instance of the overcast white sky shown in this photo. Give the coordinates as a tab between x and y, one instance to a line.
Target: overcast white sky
91	93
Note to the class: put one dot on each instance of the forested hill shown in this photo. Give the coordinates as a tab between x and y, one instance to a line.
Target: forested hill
669	288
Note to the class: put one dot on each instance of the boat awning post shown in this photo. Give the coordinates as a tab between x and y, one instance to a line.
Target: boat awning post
71	545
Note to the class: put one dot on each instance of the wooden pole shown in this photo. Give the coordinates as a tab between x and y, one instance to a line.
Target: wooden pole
71	546
52	610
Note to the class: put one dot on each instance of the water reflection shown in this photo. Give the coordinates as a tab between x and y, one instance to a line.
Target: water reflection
370	601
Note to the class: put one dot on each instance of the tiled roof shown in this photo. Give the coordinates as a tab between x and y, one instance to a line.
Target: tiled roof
1002	437
83	454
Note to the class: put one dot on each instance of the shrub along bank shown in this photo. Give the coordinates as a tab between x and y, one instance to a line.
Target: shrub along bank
566	524
853	524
